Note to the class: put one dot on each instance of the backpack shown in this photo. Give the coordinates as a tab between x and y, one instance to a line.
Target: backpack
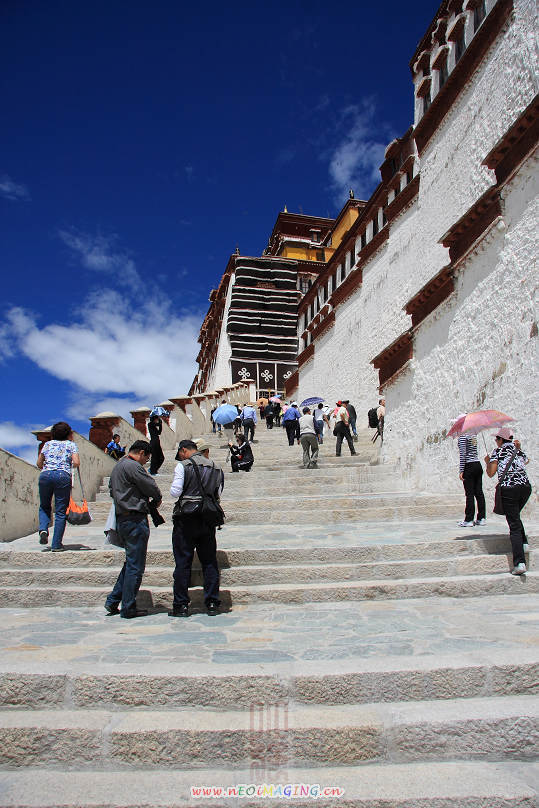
373	418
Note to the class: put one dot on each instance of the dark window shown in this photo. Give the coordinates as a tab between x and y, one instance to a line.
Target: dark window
384	217
334	282
320	255
375	225
316	304
479	14
304	284
363	240
460	47
408	177
442	75
343	272
426	70
315	237
426	102
324	293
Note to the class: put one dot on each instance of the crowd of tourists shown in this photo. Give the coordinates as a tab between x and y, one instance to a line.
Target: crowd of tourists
198	483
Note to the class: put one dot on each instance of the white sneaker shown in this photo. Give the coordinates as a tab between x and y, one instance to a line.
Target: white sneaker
480	522
465	524
526	547
520	569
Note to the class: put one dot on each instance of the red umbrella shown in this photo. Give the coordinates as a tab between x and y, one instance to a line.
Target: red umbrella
474	422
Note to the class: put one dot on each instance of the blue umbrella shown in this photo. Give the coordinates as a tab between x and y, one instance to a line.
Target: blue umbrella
309	402
225	414
159	411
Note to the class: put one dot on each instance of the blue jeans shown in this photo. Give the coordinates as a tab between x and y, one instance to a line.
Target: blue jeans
135	531
57	484
353	425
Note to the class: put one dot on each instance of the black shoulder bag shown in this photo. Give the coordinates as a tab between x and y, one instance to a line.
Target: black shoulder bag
498	504
210	510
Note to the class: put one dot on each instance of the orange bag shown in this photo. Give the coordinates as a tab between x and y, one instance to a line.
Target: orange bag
78	514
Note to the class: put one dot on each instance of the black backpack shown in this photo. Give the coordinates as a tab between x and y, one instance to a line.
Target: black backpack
373	418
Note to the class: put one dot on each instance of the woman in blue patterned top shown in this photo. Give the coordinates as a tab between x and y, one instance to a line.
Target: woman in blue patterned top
57	458
515	490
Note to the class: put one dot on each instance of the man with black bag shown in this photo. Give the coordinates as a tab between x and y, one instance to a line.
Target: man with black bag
197	483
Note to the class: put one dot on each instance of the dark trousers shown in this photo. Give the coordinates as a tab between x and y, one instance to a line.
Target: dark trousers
344	434
473	486
241	465
57	484
158	458
269	421
190	533
292	431
135	532
514	498
249	428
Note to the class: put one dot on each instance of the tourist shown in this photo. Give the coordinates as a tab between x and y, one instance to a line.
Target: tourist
509	461
320	418
241	456
213	424
277	412
155	427
352	415
342	429
248	420
268	414
471	474
57	458
114	449
381	414
290	423
131	489
308	439
190	531
237	421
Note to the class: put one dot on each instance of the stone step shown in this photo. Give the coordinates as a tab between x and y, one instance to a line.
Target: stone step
160	597
359	681
245	487
319	513
396	732
265	574
370	551
462	784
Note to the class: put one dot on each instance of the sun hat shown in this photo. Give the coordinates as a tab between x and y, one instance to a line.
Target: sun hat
202	445
504	433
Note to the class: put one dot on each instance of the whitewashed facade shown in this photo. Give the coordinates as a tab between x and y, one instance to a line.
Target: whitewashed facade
478	347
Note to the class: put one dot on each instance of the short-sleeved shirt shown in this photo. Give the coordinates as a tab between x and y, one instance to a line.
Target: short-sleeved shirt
58	455
516	474
343	415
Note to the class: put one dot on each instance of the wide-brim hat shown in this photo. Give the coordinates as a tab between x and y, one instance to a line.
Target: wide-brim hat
202	445
504	433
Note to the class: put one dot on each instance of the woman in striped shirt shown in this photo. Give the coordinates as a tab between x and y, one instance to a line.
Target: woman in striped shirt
471	474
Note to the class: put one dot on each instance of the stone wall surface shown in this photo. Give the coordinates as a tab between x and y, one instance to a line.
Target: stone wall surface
221	375
94	465
128	434
478	349
19	498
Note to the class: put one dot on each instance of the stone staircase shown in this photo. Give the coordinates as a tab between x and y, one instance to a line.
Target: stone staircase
366	643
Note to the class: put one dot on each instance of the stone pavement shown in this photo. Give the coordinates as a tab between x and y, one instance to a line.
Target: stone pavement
387	652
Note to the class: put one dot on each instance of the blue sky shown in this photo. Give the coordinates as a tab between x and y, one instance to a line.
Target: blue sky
140	143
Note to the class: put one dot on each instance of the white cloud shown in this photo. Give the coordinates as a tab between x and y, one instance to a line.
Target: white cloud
13	436
13	190
99	253
354	162
84	405
147	351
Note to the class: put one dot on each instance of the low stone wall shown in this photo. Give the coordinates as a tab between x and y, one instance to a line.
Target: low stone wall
19	498
94	465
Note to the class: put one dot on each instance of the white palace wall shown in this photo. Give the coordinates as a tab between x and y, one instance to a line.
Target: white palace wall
221	375
478	349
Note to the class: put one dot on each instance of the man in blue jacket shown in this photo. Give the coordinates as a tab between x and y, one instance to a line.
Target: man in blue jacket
291	423
248	419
